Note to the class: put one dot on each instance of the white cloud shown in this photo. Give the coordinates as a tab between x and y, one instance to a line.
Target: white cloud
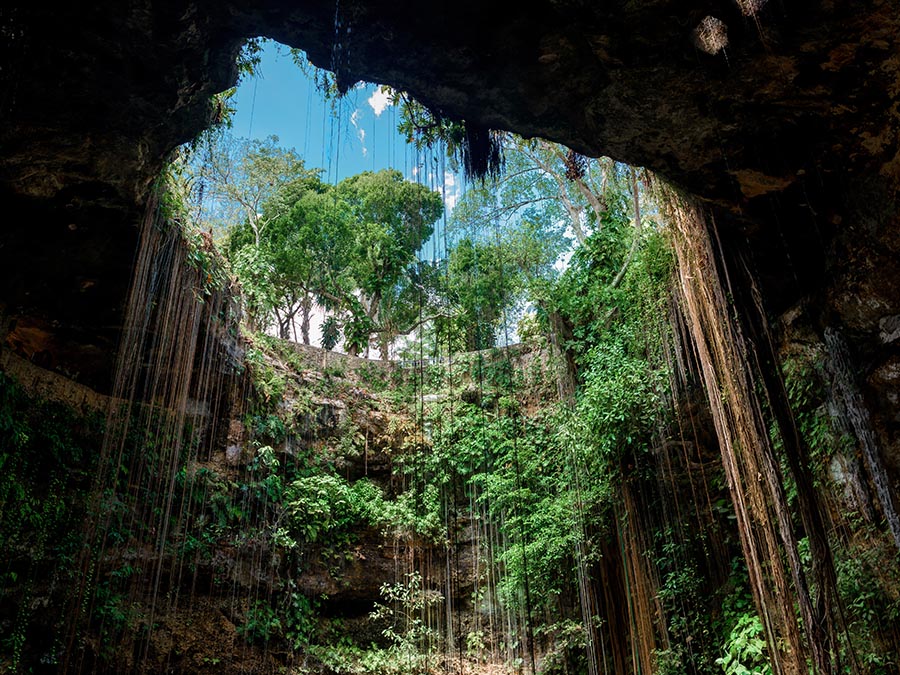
452	190
563	261
380	99
360	132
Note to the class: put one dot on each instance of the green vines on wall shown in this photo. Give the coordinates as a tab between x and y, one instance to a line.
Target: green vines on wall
47	457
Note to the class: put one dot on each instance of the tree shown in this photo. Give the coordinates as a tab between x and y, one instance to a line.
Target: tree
310	246
414	302
297	259
246	182
352	249
480	285
546	184
392	218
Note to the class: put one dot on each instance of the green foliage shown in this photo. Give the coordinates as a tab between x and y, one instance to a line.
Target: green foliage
806	384
221	104
868	589
671	661
392	219
568	639
261	623
248	183
322	507
359	328
620	398
352	660
476	150
480	284
112	607
293	620
519	469
416	512
273	210
868	596
352	249
203	257
324	80
250	57
255	270
527	197
48	454
423	128
300	620
331	333
403	607
268	382
546	480
410	640
745	649
624	380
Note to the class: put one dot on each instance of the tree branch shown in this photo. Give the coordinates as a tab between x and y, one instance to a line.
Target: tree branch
573	210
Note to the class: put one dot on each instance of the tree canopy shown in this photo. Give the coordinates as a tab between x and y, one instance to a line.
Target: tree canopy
350	249
350	253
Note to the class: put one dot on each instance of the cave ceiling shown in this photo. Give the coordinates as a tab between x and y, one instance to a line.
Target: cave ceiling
783	117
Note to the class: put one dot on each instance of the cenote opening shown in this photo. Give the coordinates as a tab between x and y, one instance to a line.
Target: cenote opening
570	349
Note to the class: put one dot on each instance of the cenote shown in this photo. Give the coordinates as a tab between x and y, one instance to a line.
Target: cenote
559	338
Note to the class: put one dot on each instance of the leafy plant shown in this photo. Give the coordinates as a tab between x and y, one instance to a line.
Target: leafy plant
322	505
261	623
403	607
745	649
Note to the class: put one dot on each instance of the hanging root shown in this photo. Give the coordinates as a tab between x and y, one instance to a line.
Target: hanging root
482	153
754	474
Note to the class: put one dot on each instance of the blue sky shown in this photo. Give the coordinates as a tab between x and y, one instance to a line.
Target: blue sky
353	134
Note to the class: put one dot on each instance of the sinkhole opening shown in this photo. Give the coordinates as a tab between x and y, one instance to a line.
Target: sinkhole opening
397	394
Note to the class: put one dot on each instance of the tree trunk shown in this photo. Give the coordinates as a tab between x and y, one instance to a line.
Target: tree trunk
305	311
285	323
560	334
